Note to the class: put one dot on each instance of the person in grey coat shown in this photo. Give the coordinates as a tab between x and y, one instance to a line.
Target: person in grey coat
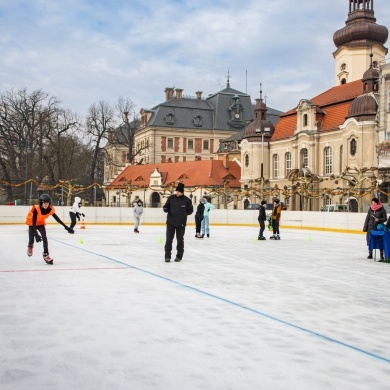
376	214
178	207
137	212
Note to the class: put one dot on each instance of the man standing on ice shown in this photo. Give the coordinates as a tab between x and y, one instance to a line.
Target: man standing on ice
178	207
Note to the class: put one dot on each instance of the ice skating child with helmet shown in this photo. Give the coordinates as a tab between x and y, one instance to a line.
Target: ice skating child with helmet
36	221
276	214
75	212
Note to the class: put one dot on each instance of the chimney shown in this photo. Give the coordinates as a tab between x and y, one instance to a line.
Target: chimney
226	161
198	95
179	93
168	94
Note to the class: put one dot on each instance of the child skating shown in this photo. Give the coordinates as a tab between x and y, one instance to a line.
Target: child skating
36	221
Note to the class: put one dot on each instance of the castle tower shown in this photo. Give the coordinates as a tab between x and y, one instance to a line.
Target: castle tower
360	37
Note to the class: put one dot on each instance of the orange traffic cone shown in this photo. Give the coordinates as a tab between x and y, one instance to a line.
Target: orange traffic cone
82	224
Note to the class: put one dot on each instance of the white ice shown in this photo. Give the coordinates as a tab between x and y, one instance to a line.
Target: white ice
306	312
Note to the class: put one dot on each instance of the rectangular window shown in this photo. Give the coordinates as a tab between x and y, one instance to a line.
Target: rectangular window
206	144
276	165
288	163
170	142
190	144
328	160
388	101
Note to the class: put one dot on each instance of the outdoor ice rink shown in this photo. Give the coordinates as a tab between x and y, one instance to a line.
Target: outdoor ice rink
306	312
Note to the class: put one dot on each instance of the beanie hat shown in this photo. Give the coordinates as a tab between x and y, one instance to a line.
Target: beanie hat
263	202
276	200
180	187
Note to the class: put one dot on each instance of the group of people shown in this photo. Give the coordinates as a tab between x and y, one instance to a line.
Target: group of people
275	219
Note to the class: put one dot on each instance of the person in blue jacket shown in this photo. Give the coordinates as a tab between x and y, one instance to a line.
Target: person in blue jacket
178	207
206	220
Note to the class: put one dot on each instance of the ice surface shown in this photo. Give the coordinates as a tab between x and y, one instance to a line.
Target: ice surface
306	312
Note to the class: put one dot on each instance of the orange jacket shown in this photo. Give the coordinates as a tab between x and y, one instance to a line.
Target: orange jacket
40	217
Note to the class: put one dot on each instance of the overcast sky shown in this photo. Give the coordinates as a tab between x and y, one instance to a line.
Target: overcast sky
85	51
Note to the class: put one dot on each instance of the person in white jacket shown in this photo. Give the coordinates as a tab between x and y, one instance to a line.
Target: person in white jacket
137	212
75	212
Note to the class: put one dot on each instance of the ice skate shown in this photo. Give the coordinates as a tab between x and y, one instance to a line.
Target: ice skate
261	238
47	258
273	237
277	237
29	251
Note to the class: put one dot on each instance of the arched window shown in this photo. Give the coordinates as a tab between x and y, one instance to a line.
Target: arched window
246	160
287	159
328	163
304	158
353	146
305	120
341	159
275	161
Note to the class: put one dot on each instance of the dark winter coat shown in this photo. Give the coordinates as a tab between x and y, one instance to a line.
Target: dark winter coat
370	223
262	215
199	212
178	208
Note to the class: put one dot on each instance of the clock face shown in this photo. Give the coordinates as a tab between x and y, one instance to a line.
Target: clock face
237	116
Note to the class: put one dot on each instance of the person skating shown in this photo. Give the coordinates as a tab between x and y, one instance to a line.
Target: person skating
199	218
36	221
178	207
376	214
75	212
276	214
137	212
206	220
262	218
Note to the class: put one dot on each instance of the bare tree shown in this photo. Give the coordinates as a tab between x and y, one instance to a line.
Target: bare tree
100	120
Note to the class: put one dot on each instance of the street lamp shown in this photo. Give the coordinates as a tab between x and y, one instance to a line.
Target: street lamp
262	131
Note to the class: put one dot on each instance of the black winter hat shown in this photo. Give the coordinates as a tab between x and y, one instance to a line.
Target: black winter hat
276	200
180	188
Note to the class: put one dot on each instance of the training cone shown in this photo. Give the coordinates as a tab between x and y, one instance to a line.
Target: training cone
81	240
82	224
160	240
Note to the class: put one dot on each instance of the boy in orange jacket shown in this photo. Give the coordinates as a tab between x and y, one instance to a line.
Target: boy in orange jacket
36	223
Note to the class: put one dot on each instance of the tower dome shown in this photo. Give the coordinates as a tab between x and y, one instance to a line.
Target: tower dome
361	26
363	108
253	132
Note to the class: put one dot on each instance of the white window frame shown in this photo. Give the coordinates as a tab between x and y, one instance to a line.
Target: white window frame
328	161
275	164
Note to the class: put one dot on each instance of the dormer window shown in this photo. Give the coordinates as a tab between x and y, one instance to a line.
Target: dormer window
170	119
305	120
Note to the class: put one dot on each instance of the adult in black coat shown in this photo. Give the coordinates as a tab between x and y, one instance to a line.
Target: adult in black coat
376	214
199	218
178	207
262	218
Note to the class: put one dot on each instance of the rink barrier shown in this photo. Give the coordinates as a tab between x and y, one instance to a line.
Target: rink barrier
338	222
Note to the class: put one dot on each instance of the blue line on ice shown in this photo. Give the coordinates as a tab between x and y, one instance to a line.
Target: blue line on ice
327	338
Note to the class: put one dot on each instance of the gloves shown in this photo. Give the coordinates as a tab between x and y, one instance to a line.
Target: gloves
165	209
78	217
83	214
38	238
69	230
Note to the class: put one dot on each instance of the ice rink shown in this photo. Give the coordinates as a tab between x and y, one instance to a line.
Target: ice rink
306	312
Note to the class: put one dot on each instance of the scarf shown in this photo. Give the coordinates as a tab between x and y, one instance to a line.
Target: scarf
376	206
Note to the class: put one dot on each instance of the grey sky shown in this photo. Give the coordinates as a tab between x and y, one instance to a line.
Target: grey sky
84	51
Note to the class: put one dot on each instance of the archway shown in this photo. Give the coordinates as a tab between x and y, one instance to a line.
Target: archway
156	199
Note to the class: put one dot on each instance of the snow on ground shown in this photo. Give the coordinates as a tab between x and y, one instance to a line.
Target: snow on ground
306	312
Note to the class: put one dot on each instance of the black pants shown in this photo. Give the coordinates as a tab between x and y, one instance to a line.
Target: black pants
275	226
171	230
73	219
42	231
262	228
198	224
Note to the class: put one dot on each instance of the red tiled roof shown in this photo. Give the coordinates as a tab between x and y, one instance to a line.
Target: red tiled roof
191	173
334	102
